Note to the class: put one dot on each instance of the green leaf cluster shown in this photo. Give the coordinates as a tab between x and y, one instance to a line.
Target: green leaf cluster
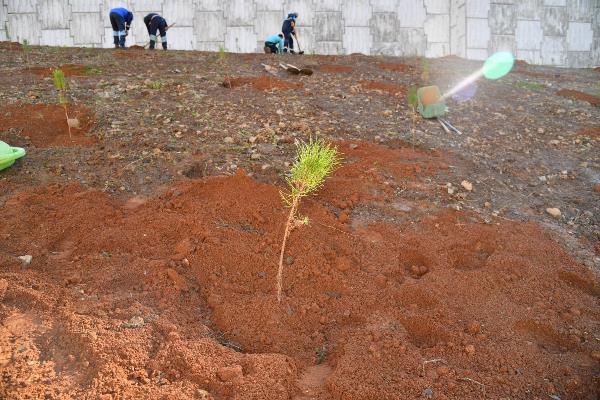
316	160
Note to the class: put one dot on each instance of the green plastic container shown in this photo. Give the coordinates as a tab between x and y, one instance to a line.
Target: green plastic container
430	105
9	154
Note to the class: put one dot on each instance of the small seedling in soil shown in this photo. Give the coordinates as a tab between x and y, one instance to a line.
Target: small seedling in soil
222	54
61	86
156	85
321	354
315	161
413	101
425	66
91	70
530	85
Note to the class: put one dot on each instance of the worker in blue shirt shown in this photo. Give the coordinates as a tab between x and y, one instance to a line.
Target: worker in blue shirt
155	23
120	19
289	29
274	44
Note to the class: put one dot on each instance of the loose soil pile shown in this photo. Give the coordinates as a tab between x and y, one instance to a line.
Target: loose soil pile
593	131
261	83
46	125
383	87
175	295
67	69
395	67
14	46
146	284
335	68
577	95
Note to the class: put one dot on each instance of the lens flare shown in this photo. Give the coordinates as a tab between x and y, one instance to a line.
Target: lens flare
467	93
498	65
495	67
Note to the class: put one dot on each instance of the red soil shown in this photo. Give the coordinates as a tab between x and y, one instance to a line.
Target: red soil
67	69
574	94
261	83
383	87
46	125
395	67
126	300
592	131
335	68
15	46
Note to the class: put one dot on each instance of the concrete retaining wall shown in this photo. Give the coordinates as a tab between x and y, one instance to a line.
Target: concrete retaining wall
553	32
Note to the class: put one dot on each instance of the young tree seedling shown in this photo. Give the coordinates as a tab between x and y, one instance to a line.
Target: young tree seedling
315	161
425	73
61	86
413	101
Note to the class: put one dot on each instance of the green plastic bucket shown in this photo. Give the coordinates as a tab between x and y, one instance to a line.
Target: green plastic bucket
9	154
430	105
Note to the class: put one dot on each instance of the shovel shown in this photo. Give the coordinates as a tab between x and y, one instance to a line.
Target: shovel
269	69
292	69
300	51
166	29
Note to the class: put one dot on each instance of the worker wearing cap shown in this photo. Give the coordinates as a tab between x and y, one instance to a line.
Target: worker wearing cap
274	44
289	29
155	23
120	19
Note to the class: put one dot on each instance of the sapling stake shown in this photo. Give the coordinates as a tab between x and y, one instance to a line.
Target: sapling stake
315	161
61	86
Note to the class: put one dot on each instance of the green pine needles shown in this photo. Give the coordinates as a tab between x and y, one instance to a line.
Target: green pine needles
412	98
61	86
315	161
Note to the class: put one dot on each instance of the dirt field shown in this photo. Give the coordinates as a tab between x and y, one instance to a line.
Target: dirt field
428	269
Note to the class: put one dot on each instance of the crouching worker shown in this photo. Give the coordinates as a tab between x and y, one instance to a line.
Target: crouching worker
120	19
156	23
274	44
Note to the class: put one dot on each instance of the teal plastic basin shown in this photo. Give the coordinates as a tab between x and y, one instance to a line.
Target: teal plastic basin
9	154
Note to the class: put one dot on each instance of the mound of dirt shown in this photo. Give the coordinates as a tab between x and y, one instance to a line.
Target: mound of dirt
395	67
46	125
14	46
261	83
577	95
383	87
175	295
335	68
67	69
592	131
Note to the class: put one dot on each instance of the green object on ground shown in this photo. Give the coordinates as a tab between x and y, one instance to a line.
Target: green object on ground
498	65
9	154
430	104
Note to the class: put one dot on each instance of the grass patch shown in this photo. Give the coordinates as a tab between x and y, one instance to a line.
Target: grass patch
530	85
155	85
91	70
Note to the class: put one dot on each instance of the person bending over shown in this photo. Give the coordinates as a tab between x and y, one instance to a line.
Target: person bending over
156	23
120	19
274	44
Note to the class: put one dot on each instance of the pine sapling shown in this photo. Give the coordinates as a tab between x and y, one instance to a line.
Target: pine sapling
315	161
61	86
413	101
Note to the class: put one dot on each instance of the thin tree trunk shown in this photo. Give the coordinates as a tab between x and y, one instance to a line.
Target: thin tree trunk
286	235
67	116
